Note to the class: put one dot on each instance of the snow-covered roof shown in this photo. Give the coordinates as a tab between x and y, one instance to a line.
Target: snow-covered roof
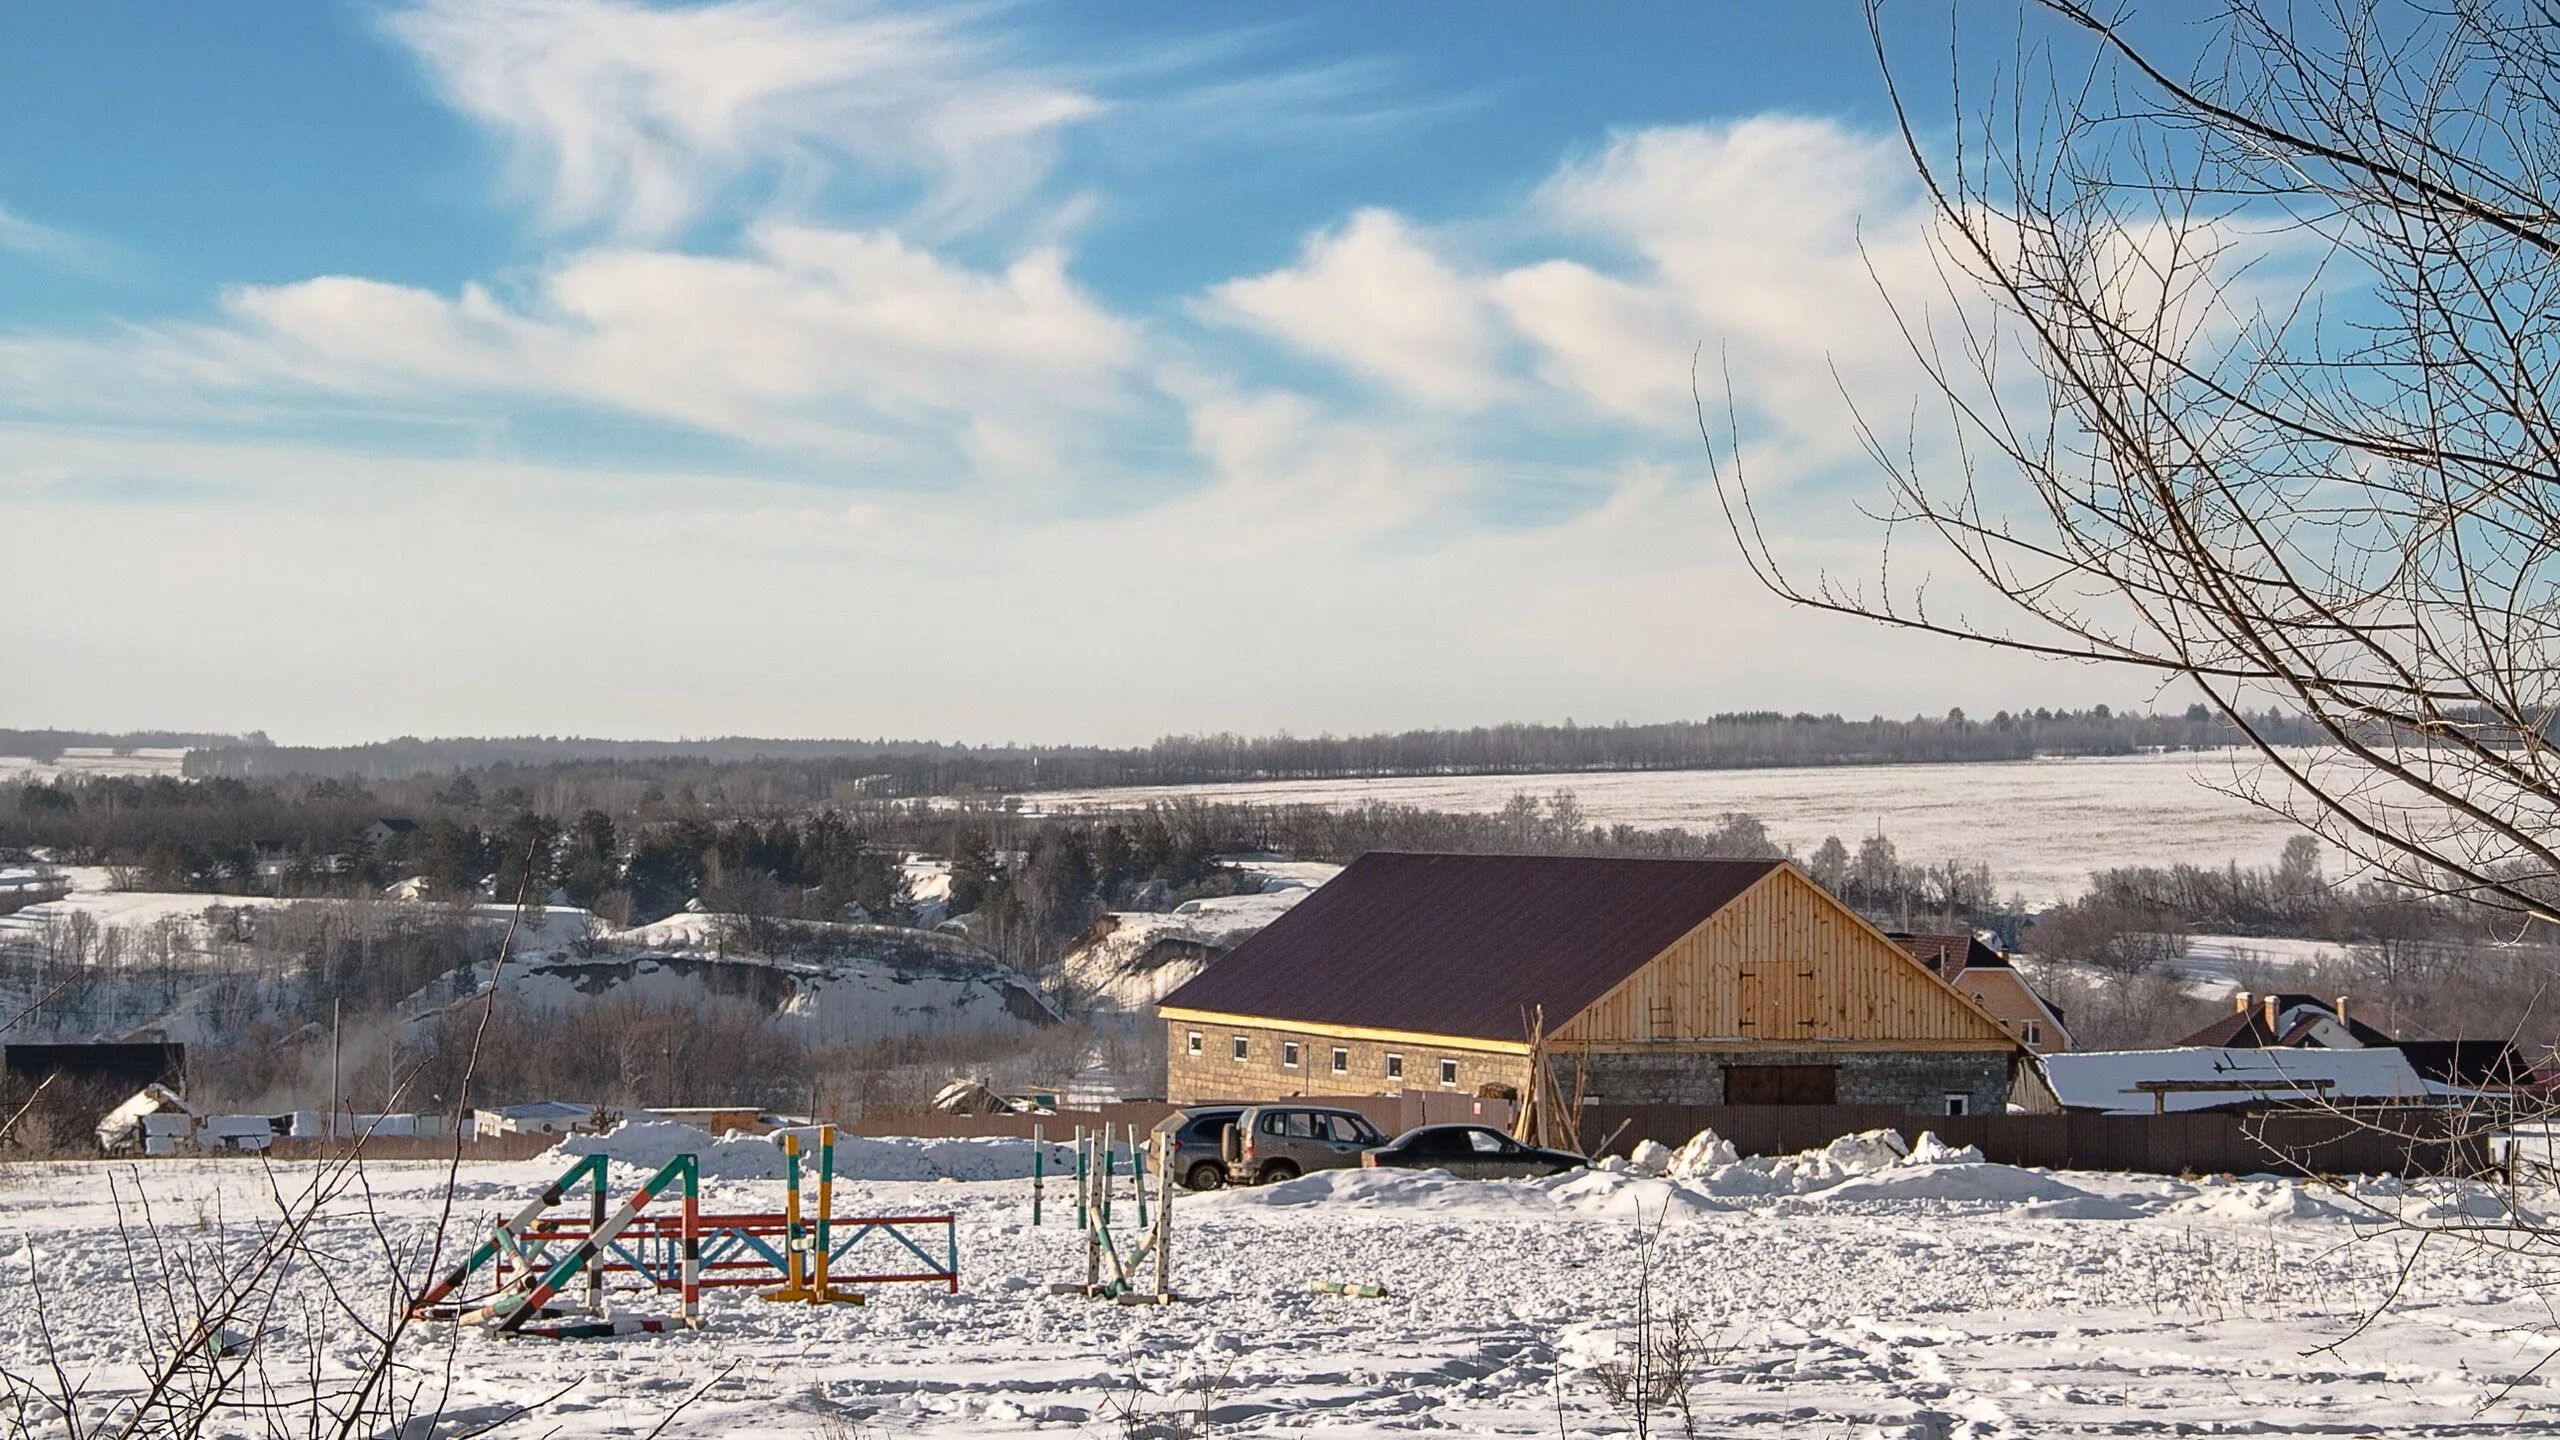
2111	1080
118	1126
543	1110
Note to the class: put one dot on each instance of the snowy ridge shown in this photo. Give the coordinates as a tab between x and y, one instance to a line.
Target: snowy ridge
1136	957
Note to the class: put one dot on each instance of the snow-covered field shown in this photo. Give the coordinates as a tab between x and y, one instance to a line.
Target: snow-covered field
83	762
2041	825
1929	1300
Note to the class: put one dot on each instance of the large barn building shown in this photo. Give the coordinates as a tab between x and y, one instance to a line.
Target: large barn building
1696	982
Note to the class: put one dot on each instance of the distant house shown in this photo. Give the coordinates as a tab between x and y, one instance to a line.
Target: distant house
2288	1020
382	832
1655	981
2196	1078
538	1117
1985	976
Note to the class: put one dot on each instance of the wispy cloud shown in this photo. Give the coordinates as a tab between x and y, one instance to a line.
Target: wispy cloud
43	242
634	119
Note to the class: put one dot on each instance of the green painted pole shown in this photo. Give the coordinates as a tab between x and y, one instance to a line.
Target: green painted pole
1138	1174
1039	1155
1081	1186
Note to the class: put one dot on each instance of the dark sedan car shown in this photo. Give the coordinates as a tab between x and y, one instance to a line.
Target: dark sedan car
1477	1152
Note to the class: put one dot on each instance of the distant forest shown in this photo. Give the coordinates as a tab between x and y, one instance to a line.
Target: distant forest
48	745
895	769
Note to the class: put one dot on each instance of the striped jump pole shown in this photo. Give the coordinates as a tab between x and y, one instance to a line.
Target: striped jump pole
794	1233
692	1276
590	1168
1039	1154
590	1251
1082	1147
1138	1173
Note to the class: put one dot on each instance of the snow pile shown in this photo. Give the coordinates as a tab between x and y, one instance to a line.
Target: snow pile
1930	1150
1974	1180
649	1144
2260	1200
1378	1189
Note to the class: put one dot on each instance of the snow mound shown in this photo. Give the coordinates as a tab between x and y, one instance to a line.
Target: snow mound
1961	1180
1930	1150
1630	1195
648	1144
2260	1200
1706	1153
1651	1157
1382	1189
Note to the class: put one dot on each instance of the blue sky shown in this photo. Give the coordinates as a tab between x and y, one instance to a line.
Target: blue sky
1059	372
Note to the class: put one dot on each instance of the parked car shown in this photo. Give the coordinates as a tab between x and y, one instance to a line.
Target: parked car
1198	1161
1283	1142
1474	1152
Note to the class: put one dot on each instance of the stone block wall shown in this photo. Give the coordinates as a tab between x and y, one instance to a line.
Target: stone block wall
1213	1072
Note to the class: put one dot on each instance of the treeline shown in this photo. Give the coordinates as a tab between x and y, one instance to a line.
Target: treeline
48	745
885	769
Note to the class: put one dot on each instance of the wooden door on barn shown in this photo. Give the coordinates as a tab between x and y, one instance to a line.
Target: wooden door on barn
1782	1084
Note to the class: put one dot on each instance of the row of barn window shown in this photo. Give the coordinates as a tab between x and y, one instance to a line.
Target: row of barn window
1289	1057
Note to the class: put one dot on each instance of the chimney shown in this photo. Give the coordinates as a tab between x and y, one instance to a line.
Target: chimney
2342	1010
2271	1012
2240	1003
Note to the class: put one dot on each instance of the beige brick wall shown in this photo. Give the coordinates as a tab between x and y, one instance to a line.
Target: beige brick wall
1213	1072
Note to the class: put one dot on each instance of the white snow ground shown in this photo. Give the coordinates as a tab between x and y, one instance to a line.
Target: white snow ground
2041	825
1898	1299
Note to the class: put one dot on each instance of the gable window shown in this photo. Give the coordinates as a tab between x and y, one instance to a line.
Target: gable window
1395	1067
1289	1054
1244	1047
2031	1033
1341	1061
1448	1072
1959	1104
1191	1043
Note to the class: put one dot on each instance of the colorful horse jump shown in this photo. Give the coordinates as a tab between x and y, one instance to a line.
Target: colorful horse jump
685	1252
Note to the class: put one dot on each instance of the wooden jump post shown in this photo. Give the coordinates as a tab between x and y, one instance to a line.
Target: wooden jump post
1110	1272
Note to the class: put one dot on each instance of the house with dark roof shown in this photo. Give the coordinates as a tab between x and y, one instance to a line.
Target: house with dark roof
1986	977
2289	1020
1636	981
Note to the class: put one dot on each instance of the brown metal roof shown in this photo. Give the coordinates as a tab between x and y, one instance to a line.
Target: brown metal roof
1466	945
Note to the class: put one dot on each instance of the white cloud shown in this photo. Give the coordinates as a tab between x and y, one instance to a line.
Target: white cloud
819	340
1374	297
634	119
42	242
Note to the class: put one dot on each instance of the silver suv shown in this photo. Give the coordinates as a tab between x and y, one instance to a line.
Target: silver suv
1283	1142
1196	1138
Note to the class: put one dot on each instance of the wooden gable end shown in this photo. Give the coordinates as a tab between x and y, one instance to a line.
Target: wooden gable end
1785	965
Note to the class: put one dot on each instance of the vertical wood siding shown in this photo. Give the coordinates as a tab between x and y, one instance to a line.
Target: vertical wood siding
1783	965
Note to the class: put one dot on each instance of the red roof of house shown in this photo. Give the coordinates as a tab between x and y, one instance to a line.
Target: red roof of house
1466	945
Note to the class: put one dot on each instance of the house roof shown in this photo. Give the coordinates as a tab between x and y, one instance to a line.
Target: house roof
2248	1077
1950	954
2249	1028
2469	1063
1466	945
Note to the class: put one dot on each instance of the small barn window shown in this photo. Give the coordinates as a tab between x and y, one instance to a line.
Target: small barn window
1244	1047
1959	1104
1191	1043
1395	1067
1448	1072
1289	1054
2031	1033
1341	1061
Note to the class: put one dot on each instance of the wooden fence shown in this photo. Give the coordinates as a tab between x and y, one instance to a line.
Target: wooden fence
2399	1142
